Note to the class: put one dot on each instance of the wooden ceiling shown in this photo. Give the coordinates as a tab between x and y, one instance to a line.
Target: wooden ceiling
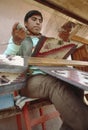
77	9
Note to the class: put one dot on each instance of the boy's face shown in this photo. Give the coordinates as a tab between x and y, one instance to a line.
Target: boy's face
34	24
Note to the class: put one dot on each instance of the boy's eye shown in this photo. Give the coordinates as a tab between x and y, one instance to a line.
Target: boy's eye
35	19
40	20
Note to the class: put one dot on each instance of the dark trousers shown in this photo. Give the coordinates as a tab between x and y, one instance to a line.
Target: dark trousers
65	97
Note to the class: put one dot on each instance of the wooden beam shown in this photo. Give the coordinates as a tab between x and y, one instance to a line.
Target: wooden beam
79	39
37	61
63	10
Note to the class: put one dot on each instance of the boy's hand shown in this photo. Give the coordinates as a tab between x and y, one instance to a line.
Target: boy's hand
18	34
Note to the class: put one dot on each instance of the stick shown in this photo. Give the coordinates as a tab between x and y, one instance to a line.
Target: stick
37	61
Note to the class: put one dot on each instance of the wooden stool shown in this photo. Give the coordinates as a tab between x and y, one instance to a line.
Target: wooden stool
25	111
39	120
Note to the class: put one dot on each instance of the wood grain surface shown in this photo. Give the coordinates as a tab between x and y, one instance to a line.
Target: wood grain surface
37	61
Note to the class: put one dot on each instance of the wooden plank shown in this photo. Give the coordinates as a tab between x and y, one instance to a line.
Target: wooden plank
75	77
79	39
12	87
12	68
37	61
62	6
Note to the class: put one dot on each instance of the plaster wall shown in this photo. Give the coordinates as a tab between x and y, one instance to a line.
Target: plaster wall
12	11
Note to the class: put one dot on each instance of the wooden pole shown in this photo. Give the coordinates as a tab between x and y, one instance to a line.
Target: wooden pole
37	61
79	39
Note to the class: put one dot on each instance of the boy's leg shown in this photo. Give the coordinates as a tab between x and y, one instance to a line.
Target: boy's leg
73	111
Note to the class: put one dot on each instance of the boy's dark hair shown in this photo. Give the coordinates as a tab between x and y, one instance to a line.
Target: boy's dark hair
31	13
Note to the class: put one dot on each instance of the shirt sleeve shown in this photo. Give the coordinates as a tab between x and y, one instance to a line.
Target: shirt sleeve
12	48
